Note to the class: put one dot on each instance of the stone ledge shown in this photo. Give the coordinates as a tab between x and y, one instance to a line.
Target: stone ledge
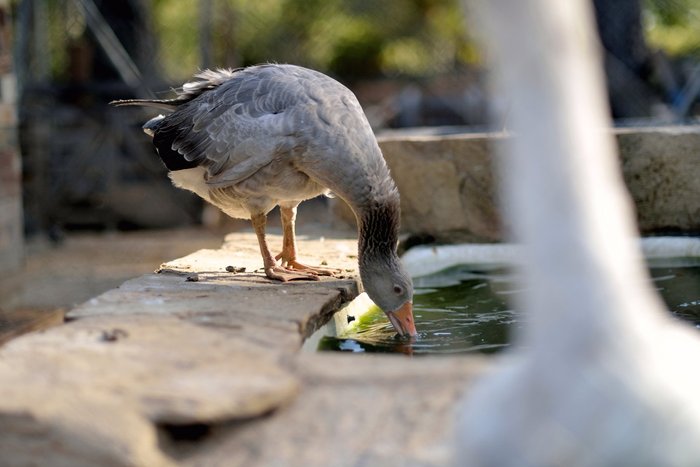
246	303
220	356
355	410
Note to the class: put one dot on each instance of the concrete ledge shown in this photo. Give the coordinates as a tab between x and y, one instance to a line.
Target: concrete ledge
661	167
199	366
449	192
199	289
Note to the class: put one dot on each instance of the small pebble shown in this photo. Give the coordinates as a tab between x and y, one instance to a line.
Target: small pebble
113	335
235	269
192	278
324	263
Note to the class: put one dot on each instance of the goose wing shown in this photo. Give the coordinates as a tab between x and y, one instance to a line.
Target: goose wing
241	125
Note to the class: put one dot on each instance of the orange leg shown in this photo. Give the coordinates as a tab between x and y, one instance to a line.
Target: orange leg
271	269
289	246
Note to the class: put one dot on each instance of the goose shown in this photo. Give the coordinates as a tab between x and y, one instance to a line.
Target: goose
600	374
249	139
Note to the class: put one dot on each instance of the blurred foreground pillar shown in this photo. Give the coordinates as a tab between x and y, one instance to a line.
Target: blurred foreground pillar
600	375
11	240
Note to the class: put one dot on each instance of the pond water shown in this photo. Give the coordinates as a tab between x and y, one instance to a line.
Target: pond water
465	309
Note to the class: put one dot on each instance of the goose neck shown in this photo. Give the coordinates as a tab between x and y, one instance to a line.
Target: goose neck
378	230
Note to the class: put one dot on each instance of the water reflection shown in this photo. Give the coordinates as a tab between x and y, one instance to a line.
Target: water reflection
465	309
678	282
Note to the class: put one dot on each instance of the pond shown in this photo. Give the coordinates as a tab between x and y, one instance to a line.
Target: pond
466	309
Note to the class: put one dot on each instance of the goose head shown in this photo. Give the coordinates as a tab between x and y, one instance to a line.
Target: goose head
390	287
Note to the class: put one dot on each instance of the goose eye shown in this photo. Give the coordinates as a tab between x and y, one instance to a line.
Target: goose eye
398	290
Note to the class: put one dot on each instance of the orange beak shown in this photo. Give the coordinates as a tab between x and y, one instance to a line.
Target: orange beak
402	320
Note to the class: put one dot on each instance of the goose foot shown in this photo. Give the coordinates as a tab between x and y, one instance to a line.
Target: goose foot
288	214
294	265
283	274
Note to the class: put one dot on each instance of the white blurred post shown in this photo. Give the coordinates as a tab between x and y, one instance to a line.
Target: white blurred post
600	375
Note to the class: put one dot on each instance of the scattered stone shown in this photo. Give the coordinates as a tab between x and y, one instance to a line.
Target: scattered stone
235	269
165	270
192	278
113	335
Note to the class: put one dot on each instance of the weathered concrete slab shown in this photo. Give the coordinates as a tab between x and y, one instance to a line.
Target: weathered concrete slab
220	355
74	431
248	304
448	186
279	315
128	375
240	249
354	410
661	167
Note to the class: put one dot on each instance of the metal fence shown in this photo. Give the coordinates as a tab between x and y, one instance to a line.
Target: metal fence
87	165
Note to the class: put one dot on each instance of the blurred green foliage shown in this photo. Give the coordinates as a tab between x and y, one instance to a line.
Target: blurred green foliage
349	38
673	26
361	38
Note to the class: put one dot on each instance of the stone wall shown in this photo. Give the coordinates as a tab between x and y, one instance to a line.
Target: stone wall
447	185
11	241
449	191
661	167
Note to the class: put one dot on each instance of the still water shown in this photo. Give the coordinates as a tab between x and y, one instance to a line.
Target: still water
466	309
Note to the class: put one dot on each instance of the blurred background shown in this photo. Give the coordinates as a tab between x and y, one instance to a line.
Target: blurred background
412	63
